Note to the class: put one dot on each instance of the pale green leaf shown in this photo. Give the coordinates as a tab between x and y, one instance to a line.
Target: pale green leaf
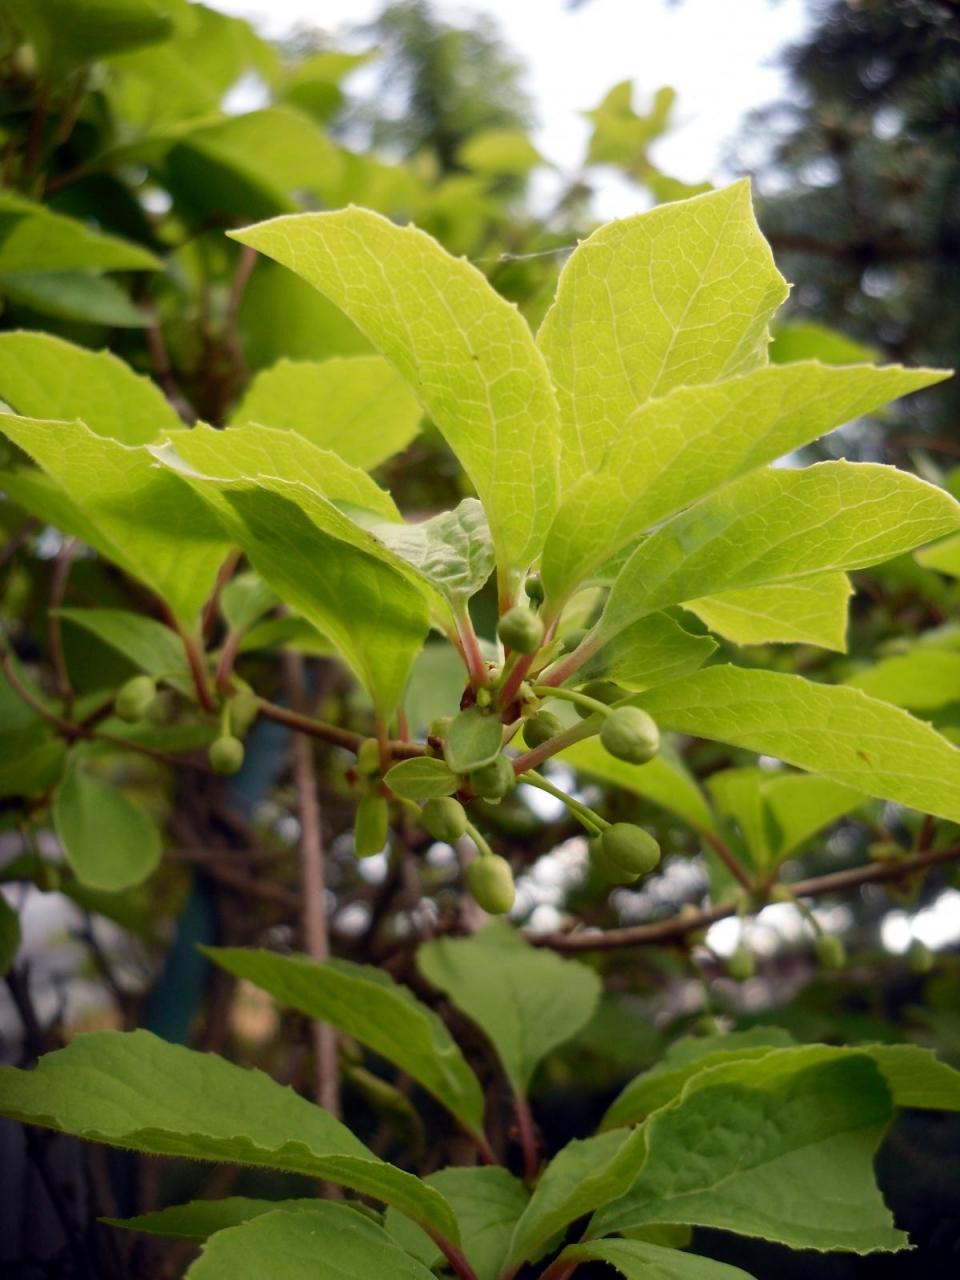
810	610
453	551
776	525
358	406
42	376
837	732
923	680
68	33
466	351
245	599
133	1090
36	240
500	151
678	449
664	780
423	778
473	739
651	651
527	1001
369	1006
148	644
75	295
43	497
330	1240
198	1219
640	1260
944	557
808	340
681	295
109	843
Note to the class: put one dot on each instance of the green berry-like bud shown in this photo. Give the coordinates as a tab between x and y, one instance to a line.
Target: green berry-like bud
604	691
534	589
573	639
368	757
630	849
541	728
226	755
631	734
494	780
490	880
741	965
135	698
708	1025
445	818
604	867
919	957
831	953
438	728
520	629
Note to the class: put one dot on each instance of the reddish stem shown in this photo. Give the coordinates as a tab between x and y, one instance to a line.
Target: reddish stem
461	1267
528	1138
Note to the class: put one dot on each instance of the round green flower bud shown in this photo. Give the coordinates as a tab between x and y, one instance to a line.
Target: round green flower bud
438	728
490	880
226	755
631	734
541	728
607	869
708	1025
492	781
368	757
919	957
630	849
573	639
520	629
831	953
741	965
534	589
135	698
445	818
604	691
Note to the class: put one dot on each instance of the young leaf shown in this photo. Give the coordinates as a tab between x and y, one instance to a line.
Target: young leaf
368	1005
75	295
423	778
775	525
640	1260
678	296
148	644
452	551
358	406
525	1000
650	652
809	610
66	35
792	1161
664	781
923	680
199	1219
468	353
109	842
37	240
473	739
245	599
131	1089
834	731
944	557
42	376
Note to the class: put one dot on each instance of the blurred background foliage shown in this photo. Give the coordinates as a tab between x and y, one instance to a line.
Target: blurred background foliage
129	143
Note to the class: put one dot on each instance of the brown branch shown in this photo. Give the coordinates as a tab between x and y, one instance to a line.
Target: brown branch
345	738
679	926
208	619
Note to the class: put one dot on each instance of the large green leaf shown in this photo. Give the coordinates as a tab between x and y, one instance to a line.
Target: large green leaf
109	842
831	730
367	1004
34	239
640	1260
75	295
131	1089
776	525
44	377
453	551
198	1219
69	33
792	1160
676	450
465	350
487	1201
664	781
328	1240
145	519
809	610
651	651
677	296
923	680
358	406
148	644
525	1000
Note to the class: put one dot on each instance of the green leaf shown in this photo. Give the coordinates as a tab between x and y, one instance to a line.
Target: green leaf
678	449
834	731
812	341
639	1260
44	377
452	551
791	1162
145	519
74	295
664	781
467	351
369	1006
131	1089
923	680
474	738
487	1201
681	295
776	525
650	652
34	239
500	151
148	644
9	935
620	136
809	610
371	825
358	406
109	842
423	778
245	599
31	761
525	1000
69	33
199	1219
291	1246
944	557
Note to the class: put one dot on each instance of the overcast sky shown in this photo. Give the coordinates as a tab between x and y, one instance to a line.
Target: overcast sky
720	55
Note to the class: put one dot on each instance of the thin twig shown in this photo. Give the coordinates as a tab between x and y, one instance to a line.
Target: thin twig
58	589
528	1138
729	859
